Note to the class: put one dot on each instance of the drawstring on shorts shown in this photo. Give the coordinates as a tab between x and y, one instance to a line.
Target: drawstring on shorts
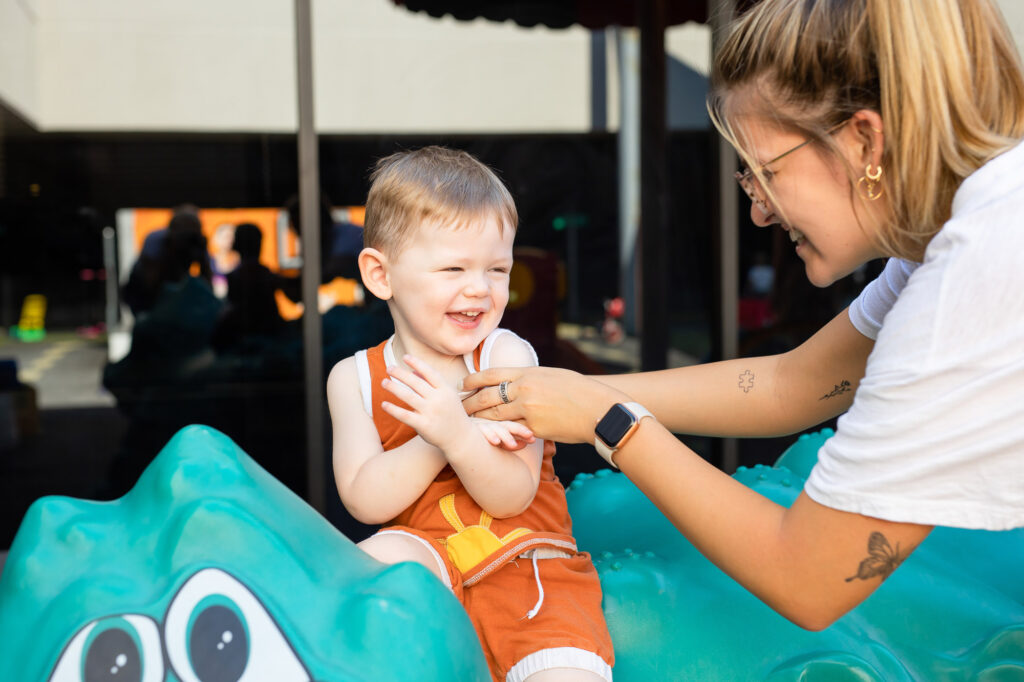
540	590
535	554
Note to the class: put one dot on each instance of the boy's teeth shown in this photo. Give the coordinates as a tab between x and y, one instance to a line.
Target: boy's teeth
472	314
795	234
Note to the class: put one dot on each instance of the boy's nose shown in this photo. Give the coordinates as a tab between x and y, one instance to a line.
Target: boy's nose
477	285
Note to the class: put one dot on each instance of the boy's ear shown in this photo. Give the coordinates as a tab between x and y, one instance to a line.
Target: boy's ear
374	271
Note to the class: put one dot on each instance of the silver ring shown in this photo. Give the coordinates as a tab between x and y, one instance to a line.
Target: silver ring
503	392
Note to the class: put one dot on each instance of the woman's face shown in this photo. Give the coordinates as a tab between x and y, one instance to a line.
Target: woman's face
811	199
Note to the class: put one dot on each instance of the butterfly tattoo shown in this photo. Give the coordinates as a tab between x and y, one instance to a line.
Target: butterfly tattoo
882	559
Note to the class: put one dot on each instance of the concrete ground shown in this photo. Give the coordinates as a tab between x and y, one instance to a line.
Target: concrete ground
73	434
64	368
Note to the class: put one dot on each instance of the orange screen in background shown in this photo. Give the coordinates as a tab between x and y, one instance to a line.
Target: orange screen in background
218	227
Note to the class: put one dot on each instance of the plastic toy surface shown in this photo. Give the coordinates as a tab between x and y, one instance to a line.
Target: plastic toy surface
209	570
953	611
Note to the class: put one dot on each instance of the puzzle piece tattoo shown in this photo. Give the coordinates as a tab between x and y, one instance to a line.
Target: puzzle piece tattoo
746	381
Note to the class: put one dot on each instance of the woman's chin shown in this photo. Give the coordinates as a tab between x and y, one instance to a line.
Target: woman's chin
820	277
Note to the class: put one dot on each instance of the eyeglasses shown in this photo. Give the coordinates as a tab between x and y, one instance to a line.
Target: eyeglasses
753	187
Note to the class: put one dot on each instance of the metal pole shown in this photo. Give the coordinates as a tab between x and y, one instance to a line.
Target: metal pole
719	13
309	207
627	42
113	300
599	80
653	187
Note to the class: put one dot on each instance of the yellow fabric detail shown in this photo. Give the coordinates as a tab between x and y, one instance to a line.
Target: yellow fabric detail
517	533
469	545
447	505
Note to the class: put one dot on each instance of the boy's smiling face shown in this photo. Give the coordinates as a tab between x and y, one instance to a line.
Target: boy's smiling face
449	286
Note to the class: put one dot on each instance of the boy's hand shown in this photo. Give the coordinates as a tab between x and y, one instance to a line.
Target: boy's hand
508	435
436	412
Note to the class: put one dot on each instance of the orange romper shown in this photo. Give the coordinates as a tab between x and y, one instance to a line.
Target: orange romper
530	615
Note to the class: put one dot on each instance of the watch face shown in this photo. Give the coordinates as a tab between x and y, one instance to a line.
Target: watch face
614	425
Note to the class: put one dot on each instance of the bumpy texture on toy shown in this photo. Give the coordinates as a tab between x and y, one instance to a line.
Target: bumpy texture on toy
210	570
953	611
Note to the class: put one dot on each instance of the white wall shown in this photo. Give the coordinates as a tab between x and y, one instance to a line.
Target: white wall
380	67
18	72
155	65
1013	11
228	65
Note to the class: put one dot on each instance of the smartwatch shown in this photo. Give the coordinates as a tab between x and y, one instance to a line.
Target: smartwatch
616	427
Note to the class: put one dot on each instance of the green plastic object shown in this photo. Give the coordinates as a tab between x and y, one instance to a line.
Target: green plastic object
28	335
210	570
953	611
208	553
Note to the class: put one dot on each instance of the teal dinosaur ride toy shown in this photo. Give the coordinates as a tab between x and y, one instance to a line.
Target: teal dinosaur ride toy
210	570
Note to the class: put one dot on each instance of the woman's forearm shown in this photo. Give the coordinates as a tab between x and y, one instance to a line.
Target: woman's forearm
731	398
799	560
764	396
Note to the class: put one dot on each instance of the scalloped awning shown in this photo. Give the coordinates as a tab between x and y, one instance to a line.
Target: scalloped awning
593	14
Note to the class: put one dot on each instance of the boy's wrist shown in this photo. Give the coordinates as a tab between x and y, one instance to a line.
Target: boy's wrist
460	442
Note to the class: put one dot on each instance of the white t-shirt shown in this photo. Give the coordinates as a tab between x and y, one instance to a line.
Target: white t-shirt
935	434
870	308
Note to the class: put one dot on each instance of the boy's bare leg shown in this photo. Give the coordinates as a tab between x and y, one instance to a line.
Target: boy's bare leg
392	548
565	675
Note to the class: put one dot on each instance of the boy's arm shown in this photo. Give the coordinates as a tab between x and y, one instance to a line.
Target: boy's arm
374	485
502	482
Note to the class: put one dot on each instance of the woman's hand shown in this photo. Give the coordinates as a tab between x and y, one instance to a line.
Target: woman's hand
555	404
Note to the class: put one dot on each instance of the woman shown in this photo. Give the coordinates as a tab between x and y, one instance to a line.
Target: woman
870	129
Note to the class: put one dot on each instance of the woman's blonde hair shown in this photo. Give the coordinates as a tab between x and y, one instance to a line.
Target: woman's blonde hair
944	75
432	184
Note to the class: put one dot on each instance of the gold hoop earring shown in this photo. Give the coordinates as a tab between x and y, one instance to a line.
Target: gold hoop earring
870	181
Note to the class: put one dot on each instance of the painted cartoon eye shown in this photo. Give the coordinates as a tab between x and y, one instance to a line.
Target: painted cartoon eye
123	648
216	630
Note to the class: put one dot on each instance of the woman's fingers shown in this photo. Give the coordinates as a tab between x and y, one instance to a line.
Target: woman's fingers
499	413
488	397
491	377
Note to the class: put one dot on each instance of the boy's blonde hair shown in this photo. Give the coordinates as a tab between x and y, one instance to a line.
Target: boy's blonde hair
434	183
944	75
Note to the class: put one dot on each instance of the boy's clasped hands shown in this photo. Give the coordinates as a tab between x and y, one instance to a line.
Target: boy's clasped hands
436	411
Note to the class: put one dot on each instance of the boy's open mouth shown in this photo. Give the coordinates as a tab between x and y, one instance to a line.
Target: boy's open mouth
467	319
